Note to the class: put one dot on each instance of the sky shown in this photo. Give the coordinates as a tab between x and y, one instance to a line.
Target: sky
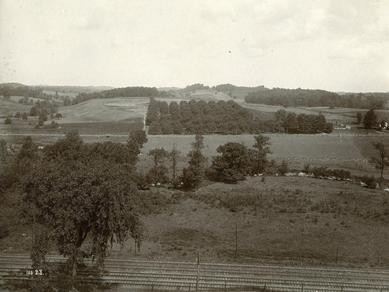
337	45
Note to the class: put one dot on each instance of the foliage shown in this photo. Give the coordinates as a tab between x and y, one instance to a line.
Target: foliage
302	123
173	155
158	173
225	118
283	168
118	92
43	108
3	151
323	171
370	119
359	118
79	191
237	91
14	89
311	98
200	117
194	173
8	121
135	142
370	181
258	155
381	160
231	165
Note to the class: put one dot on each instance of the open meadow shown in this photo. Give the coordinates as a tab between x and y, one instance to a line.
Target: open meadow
303	220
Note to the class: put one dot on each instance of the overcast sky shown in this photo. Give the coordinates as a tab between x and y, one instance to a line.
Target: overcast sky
340	45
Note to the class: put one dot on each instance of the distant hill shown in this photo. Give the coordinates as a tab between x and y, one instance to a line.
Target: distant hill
74	89
19	89
239	92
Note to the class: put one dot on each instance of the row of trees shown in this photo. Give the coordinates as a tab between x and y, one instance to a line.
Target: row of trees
233	162
199	117
225	118
311	98
293	123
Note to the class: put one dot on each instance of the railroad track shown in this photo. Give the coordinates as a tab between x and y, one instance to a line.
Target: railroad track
136	274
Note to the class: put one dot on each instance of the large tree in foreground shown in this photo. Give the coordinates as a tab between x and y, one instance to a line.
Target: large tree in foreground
78	195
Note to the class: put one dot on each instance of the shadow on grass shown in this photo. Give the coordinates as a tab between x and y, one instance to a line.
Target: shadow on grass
56	277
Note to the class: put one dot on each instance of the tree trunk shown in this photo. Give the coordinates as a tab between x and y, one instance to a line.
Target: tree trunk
74	266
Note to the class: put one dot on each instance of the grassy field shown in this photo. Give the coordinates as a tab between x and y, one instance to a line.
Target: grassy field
10	108
104	110
335	150
282	219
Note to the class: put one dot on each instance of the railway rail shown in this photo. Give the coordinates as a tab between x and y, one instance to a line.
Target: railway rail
185	276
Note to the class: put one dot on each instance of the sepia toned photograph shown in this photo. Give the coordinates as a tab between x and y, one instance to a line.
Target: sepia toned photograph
194	145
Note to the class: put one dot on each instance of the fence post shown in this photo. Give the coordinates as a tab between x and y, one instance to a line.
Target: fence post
198	271
302	287
236	239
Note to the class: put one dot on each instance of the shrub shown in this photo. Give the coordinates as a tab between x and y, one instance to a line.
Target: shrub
323	171
370	181
283	167
8	121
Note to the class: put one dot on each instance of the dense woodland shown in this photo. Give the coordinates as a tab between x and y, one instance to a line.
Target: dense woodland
15	89
311	98
118	92
225	118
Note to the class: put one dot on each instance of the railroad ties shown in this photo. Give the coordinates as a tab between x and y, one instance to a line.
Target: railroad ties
168	275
